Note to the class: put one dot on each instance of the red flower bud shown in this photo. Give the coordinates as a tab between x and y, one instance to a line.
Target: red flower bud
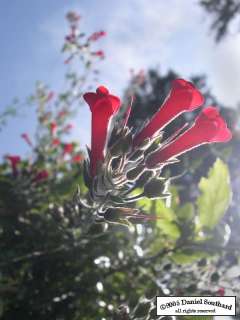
183	97
77	158
53	128
25	137
68	127
209	127
99	54
41	175
56	142
103	106
14	160
96	35
68	149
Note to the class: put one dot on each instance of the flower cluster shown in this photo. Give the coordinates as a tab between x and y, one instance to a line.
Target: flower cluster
97	35
119	162
77	45
14	161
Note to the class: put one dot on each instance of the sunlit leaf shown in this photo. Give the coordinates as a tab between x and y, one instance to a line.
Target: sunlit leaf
169	228
187	257
215	195
186	212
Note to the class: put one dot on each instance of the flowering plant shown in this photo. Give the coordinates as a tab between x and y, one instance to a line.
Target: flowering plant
120	162
64	252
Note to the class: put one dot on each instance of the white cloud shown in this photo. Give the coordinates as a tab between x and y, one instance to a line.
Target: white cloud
146	33
224	68
82	127
142	34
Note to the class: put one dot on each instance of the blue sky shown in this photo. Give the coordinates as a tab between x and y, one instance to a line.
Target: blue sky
141	34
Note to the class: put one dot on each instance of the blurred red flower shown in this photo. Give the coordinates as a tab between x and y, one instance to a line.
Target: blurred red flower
56	142
25	137
68	127
77	158
96	35
209	127
41	175
53	128
99	53
68	148
103	106
14	160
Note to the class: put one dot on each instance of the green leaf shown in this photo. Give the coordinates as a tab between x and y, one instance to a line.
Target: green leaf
166	216
175	201
157	207
166	222
169	228
187	257
145	203
186	212
215	195
163	211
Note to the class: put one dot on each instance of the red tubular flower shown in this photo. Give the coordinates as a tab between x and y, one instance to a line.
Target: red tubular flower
53	128
41	175
183	97
25	137
96	35
99	54
68	127
68	149
77	158
14	160
56	142
103	106
209	127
